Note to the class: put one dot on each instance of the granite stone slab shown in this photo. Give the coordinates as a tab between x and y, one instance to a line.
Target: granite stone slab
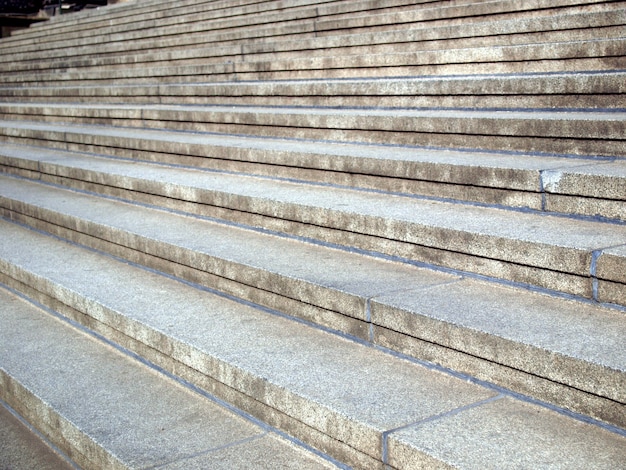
344	389
551	243
118	412
579	345
515	435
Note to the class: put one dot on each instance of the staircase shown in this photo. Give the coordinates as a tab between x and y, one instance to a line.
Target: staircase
317	234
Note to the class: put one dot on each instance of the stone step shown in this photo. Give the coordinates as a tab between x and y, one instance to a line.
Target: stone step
316	283
118	412
206	35
583	187
230	19
567	27
594	55
605	90
539	131
307	382
164	15
584	258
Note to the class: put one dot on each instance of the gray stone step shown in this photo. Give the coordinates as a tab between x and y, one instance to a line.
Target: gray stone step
119	413
565	132
567	56
343	291
580	26
312	20
310	383
505	91
232	20
167	14
551	252
585	187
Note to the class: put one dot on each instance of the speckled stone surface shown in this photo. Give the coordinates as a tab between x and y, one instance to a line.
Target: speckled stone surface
346	390
548	251
21	448
117	410
514	435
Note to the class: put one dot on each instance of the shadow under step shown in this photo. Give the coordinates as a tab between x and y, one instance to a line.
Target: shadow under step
373	299
361	405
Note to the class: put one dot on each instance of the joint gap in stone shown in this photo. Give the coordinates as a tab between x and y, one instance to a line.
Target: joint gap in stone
445	414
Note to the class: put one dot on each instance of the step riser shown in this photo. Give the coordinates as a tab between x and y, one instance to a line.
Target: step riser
148	95
76	445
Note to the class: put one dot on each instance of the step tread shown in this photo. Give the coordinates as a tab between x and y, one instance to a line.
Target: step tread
575	176
466	12
118	411
317	275
294	360
610	81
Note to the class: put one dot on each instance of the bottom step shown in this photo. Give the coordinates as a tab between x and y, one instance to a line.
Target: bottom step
106	410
